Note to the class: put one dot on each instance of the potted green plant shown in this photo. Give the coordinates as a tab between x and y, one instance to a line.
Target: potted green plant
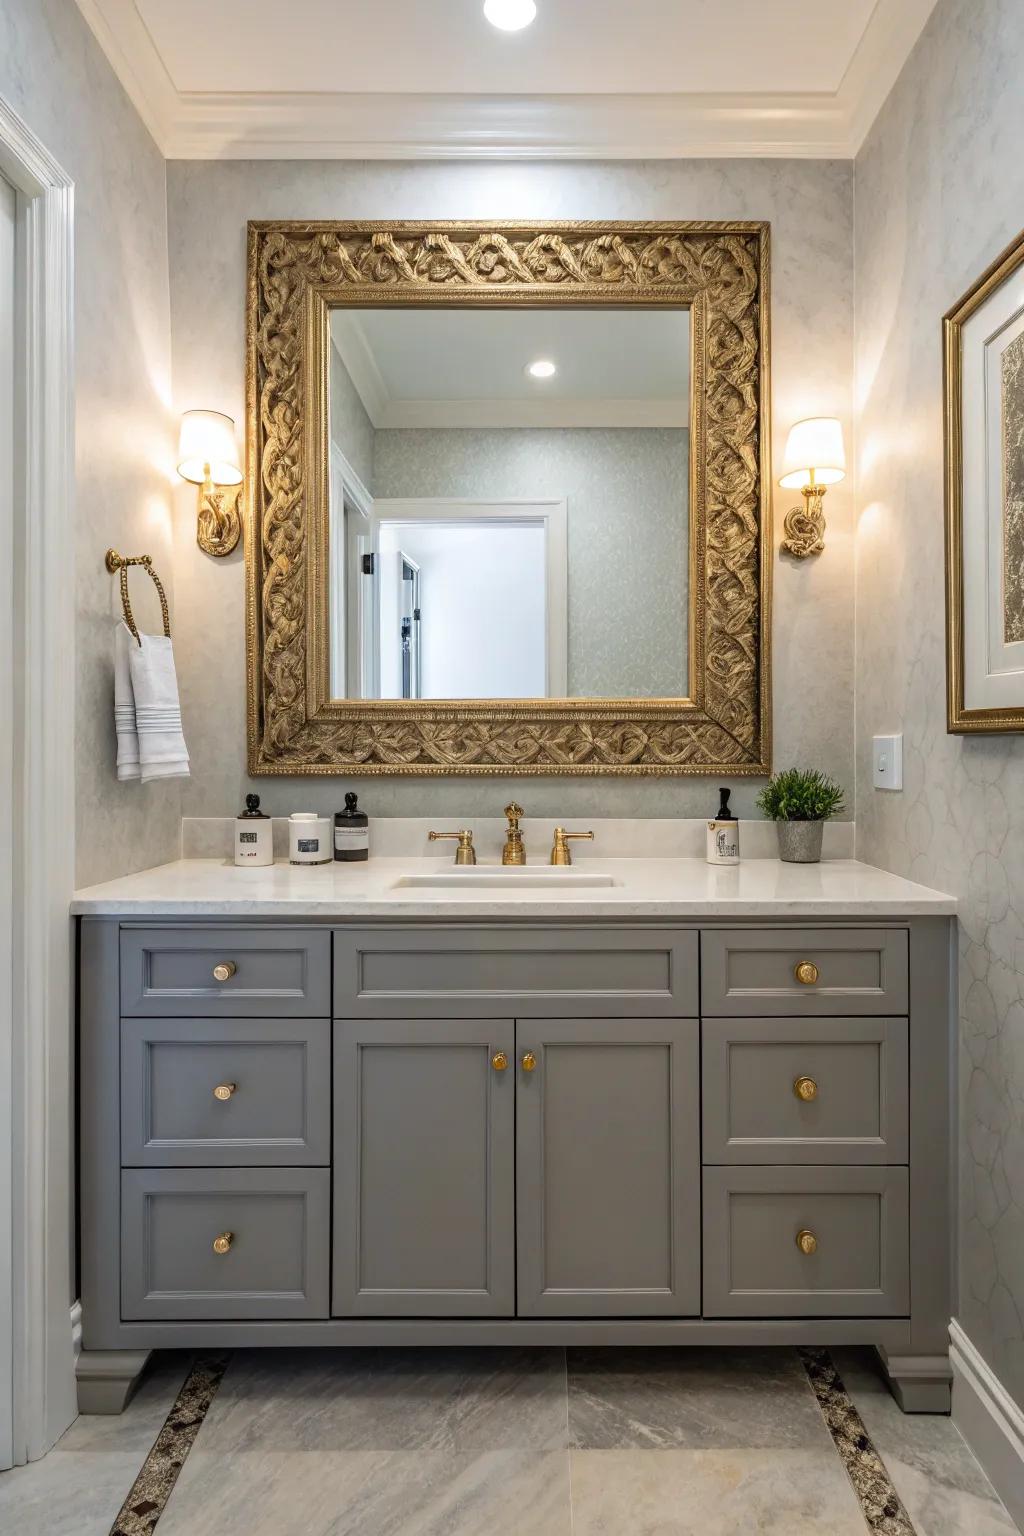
800	801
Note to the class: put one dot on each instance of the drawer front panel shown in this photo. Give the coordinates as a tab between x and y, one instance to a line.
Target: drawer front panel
857	1221
224	1092
270	972
805	1091
809	971
447	972
276	1264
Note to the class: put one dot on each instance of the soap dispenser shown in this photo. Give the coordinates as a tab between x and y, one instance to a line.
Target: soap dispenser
724	834
351	832
254	835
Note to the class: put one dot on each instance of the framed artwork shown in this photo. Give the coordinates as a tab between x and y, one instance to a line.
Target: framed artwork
984	440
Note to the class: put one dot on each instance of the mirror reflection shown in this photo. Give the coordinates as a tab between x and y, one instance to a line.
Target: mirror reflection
509	510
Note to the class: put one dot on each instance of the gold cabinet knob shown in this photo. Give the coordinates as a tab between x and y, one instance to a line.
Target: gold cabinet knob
529	1061
499	1061
806	1089
223	1091
806	1241
806	973
224	971
222	1242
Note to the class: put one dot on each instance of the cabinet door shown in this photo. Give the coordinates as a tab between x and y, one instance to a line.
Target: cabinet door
608	1167
423	1168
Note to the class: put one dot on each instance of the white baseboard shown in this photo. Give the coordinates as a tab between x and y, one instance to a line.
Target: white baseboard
989	1420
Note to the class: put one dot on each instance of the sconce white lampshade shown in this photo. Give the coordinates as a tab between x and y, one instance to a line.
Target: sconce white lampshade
815	444
207	445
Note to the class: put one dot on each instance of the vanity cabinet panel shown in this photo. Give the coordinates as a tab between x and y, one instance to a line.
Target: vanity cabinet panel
269	972
854	1221
447	971
423	1168
271	1223
224	1092
803	971
805	1091
607	1167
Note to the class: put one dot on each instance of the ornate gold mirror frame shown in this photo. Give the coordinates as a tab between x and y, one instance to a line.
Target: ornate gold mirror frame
297	272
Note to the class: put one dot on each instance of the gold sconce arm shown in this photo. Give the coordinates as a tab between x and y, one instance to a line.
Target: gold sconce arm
805	526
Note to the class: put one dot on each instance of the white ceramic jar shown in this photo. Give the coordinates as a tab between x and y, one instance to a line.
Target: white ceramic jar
309	838
254	836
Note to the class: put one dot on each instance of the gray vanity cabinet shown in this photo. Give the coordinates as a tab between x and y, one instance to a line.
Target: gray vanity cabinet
423	1168
607	1141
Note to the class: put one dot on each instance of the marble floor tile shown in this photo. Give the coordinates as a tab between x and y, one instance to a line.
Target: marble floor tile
934	1471
712	1493
659	1399
70	1493
370	1493
136	1428
436	1400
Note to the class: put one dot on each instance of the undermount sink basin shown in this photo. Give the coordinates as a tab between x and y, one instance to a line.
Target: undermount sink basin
538	877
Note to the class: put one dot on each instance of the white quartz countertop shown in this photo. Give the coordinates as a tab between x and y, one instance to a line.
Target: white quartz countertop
642	888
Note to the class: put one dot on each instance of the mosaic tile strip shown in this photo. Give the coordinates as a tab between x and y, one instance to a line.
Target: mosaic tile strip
150	1491
881	1505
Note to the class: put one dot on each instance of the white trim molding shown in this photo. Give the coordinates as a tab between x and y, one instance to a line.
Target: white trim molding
201	125
989	1420
44	1389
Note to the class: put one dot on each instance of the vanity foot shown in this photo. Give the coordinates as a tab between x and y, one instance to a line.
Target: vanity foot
107	1378
919	1383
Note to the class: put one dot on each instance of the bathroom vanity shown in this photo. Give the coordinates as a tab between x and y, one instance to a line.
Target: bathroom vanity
358	1106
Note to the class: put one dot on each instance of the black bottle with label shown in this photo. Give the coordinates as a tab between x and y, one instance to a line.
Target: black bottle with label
351	833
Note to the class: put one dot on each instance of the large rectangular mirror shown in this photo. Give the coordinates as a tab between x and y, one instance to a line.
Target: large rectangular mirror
507	498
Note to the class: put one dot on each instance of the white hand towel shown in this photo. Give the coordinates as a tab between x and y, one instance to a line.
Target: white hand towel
128	766
162	750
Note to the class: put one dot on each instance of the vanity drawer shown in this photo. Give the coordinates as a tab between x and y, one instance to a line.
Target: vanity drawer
803	971
478	972
277	1221
856	1218
272	972
805	1091
224	1092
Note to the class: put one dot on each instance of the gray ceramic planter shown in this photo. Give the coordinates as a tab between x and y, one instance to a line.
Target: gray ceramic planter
800	841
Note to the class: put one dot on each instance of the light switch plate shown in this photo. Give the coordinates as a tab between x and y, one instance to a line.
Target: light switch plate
887	762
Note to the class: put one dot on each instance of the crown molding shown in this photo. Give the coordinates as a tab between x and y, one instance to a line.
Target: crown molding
383	126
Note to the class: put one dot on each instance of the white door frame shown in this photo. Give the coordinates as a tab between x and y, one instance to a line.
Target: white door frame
42	811
552	512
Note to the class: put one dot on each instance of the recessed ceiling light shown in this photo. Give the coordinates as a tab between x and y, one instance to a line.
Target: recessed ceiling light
510	15
543	368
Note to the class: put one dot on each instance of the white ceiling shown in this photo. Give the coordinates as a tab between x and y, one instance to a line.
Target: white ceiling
431	77
465	368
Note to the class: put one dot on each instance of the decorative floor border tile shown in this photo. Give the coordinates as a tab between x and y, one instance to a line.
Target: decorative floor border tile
150	1491
880	1503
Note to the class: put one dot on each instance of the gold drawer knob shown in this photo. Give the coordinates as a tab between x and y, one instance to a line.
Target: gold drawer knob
806	1241
529	1062
806	1089
224	971
223	1091
806	973
222	1242
499	1061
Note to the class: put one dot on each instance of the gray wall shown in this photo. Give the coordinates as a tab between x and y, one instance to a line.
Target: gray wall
627	494
54	75
940	191
351	428
810	205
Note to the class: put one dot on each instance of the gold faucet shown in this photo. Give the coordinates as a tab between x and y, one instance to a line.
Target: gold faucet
513	852
560	853
465	853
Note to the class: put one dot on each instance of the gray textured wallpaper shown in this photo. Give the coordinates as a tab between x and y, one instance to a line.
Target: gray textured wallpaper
940	191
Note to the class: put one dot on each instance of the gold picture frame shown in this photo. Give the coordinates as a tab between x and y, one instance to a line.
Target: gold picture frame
297	271
961	667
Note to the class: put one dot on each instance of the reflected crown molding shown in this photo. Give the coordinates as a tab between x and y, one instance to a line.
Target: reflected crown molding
193	125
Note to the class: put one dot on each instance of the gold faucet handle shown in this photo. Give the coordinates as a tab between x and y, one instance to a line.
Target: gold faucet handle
560	853
465	853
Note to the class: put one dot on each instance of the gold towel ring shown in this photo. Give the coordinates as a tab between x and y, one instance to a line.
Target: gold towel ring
115	562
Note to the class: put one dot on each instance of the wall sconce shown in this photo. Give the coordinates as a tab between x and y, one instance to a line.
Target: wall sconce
814	460
208	457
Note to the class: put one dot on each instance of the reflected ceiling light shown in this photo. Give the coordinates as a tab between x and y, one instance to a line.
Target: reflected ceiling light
543	368
510	15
